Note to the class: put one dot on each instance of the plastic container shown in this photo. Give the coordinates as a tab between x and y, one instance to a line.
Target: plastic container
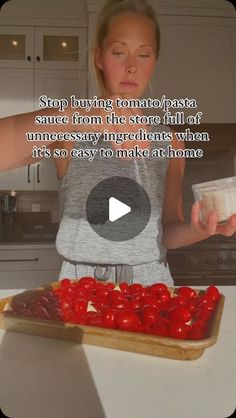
217	195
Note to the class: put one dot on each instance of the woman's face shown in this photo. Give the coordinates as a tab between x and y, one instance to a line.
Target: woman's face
127	57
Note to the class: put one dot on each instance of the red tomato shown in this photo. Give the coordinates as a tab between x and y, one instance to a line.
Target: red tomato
177	301
149	315
114	295
87	282
202	313
196	334
206	300
158	288
124	287
17	307
81	293
55	314
213	293
179	314
109	317
127	319
102	293
135	304
40	300
39	311
95	320
65	282
150	300
135	287
164	297
191	305
79	306
120	304
187	292
109	286
178	330
160	329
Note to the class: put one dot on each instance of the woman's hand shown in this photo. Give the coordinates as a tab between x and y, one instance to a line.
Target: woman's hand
212	227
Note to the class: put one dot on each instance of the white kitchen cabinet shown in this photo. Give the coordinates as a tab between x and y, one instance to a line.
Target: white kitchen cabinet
28	266
37	61
39	176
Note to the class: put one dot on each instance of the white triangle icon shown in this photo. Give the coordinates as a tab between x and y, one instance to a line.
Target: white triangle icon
117	209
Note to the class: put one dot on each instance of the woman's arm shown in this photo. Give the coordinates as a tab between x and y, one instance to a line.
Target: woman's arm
176	233
15	150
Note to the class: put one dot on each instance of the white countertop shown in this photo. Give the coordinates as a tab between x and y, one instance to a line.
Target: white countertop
46	378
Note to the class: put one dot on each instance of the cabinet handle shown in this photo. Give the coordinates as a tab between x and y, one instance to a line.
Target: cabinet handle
38	58
38	178
28	174
28	58
7	260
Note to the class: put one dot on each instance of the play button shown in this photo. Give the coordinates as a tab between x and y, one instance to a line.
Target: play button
118	208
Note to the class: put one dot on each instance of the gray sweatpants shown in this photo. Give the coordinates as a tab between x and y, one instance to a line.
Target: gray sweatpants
145	274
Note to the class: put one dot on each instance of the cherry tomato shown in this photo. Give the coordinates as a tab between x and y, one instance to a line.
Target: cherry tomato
179	314
65	283
135	304
158	288
150	300
109	286
114	295
127	319
187	292
120	304
178	330
213	293
149	315
40	300
159	329
102	293
79	306
202	313
206	300
39	311
109	317
196	334
164	297
87	282
124	287
135	287
17	307
177	301
191	305
95	320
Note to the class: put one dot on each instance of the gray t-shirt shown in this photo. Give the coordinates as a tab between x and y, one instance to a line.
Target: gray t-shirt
79	244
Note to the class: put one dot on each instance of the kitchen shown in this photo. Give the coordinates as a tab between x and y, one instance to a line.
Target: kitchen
42	377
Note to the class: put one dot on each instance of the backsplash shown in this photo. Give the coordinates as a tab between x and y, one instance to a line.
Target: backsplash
38	201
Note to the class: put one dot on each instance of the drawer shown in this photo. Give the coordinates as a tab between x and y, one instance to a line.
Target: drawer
27	279
25	259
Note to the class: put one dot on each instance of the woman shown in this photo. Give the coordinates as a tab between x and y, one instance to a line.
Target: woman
124	55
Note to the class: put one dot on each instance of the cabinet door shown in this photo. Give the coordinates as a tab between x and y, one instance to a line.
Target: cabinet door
61	48
45	175
16	87
16	47
60	84
17	179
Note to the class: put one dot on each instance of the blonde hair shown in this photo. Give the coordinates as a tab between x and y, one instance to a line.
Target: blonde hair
110	9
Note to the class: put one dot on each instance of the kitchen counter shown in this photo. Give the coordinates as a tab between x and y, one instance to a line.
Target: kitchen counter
44	378
14	245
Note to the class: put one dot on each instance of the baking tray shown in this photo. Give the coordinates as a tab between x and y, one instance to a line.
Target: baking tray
111	338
